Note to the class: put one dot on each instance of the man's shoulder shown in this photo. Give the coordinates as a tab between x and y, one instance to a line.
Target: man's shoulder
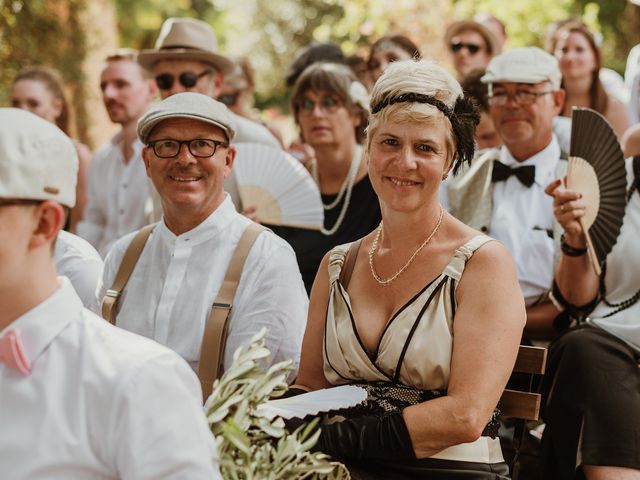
250	131
69	245
120	246
116	352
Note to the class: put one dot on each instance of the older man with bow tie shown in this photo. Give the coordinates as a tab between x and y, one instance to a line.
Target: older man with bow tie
502	193
79	398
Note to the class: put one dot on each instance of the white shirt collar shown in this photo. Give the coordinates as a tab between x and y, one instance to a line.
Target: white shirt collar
545	161
214	224
40	325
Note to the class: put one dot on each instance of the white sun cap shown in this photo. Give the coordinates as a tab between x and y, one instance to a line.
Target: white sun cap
37	160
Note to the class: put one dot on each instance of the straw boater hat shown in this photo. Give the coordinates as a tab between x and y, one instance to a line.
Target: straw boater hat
470	25
186	39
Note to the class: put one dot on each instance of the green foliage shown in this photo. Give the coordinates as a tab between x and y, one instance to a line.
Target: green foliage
43	32
250	445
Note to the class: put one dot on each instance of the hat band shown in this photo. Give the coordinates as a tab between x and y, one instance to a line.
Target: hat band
183	47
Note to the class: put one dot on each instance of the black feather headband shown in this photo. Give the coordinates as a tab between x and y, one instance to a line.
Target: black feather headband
464	117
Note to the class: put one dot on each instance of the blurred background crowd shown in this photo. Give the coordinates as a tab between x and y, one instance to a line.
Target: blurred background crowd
74	36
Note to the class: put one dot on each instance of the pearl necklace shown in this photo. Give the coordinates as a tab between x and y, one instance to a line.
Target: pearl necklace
374	246
345	190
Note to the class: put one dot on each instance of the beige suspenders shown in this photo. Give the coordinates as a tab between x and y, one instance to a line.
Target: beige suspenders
127	265
215	331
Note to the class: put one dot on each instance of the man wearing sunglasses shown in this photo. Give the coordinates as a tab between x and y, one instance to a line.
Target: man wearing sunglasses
185	59
78	397
472	45
502	193
119	191
178	275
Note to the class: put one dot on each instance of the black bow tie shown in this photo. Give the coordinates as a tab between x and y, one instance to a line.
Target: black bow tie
526	174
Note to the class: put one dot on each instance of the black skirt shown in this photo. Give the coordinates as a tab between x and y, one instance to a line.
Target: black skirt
428	469
591	398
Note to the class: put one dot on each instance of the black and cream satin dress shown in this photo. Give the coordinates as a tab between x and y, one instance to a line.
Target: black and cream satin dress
414	350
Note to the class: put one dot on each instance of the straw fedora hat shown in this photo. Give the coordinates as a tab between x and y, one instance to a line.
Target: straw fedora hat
465	25
186	39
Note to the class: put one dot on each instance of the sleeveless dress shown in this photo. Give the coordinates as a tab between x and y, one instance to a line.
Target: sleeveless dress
414	350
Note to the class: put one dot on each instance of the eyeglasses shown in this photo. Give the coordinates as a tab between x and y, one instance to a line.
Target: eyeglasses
229	98
7	202
521	97
198	147
186	79
328	103
472	48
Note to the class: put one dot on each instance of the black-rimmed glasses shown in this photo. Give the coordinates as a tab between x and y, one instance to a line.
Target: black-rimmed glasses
186	79
521	97
198	147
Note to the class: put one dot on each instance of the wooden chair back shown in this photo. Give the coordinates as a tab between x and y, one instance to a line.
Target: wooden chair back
519	404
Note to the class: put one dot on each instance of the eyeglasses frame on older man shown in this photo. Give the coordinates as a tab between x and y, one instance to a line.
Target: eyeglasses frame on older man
522	98
214	144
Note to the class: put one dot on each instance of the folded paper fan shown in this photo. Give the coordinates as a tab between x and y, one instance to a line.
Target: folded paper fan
315	402
597	170
277	184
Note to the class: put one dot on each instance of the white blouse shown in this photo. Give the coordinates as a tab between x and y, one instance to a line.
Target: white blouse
623	276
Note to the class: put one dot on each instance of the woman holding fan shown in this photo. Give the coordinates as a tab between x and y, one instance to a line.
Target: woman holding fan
592	384
425	313
330	107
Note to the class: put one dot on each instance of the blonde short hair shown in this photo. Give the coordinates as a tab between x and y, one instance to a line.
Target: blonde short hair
421	77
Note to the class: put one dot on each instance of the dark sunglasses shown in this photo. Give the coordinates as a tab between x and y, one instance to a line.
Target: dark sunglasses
186	79
229	98
471	47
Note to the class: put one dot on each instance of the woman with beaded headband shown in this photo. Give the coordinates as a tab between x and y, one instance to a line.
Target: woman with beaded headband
331	108
424	312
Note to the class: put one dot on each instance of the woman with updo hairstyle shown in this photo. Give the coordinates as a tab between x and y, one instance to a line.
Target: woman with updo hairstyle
580	60
39	90
388	49
330	107
424	312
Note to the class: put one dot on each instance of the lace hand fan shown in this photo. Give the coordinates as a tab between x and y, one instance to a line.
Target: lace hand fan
277	184
312	403
597	170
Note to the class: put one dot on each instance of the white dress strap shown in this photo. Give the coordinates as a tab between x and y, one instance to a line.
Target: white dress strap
462	254
336	261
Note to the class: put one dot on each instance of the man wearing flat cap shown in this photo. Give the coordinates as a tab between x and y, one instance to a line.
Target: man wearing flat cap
78	397
186	59
503	192
172	294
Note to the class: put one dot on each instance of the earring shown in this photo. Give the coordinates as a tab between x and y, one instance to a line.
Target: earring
444	177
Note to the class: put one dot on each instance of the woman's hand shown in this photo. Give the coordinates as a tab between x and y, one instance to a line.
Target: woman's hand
251	213
568	208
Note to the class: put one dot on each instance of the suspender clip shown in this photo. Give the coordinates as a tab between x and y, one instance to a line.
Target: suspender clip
226	306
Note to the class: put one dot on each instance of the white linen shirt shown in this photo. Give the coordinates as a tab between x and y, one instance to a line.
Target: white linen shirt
99	403
77	260
521	217
119	195
623	276
170	292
